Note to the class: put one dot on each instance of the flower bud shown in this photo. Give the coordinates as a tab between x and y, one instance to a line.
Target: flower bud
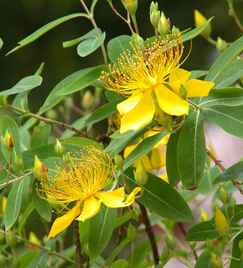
8	141
164	24
221	223
165	253
131	232
130	5
68	102
4	202
65	159
214	204
11	238
119	161
222	194
241	246
221	45
52	114
134	214
59	148
3	101
39	170
154	14
3	261
200	20
138	40
216	260
170	240
87	100
203	216
232	202
175	31
210	244
19	162
33	238
141	175
192	244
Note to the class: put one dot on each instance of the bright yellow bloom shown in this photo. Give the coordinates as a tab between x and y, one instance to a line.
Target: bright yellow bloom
152	79
89	173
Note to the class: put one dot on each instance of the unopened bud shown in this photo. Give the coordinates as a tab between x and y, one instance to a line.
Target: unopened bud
130	5
4	202
221	45
119	161
216	260
52	114
164	24
232	202
170	240
200	20
214	204
59	148
138	40
134	214
8	141
131	232
165	253
11	238
221	223
192	244
210	244
175	31
3	101
203	216
39	170
87	100
19	162
68	102
154	14
241	246
222	193
141	175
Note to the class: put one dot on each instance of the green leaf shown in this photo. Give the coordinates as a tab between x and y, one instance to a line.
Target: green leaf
113	96
206	229
13	204
197	74
230	96
120	264
1	43
161	198
24	84
88	46
144	147
229	119
41	137
191	150
24	216
27	258
41	205
32	37
117	45
203	260
21	101
206	185
236	253
224	60
40	69
40	261
232	173
87	78
235	215
100	231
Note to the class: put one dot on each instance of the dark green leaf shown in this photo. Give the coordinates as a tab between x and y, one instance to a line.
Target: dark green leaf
235	215
232	173
230	96
224	60
161	198
24	84
41	137
206	185
191	150
27	258
113	96
229	119
198	73
88	46
32	37
13	204
236	253
100	231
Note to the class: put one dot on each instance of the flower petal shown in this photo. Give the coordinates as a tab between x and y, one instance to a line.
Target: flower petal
130	198
169	102
198	88
91	207
177	78
141	115
128	104
63	222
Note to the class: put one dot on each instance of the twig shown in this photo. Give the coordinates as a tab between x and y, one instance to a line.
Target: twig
150	233
78	244
218	163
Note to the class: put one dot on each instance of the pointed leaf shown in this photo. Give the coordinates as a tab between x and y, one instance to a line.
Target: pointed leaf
206	185
191	150
237	261
161	198
41	137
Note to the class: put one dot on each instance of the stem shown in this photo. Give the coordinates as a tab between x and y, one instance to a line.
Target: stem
16	179
9	167
217	162
78	244
235	16
211	41
150	233
135	23
91	17
132	254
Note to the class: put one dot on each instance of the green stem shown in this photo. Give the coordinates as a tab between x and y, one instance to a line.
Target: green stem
9	167
135	23
193	104
78	244
16	179
235	16
211	41
132	254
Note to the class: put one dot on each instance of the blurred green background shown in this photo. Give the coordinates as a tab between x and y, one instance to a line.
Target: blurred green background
19	18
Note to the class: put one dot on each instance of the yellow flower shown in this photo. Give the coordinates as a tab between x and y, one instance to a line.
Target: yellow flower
200	20
221	223
89	173
143	78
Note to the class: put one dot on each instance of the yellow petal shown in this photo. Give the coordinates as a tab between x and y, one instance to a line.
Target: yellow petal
63	222
169	102
141	115
128	104
198	88
113	199
91	207
177	78
131	196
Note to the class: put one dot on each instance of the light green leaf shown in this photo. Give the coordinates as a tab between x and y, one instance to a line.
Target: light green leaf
21	101
229	96
229	119
88	46
40	261
120	264
32	37
1	43
100	231
236	261
161	198
224	60
197	74
191	150
41	136
24	84
206	185
13	204
144	147
40	69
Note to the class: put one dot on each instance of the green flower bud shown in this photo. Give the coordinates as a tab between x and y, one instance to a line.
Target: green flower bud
39	170
210	244
65	159
131	232
134	214
3	261
164	24
222	194
59	148
119	161
182	92
192	244
130	5
214	204
141	175
52	114
232	202
87	100
68	102
175	31
11	238
138	40
154	14
165	253
216	260
19	162
170	240
221	45
241	246
8	141
3	101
